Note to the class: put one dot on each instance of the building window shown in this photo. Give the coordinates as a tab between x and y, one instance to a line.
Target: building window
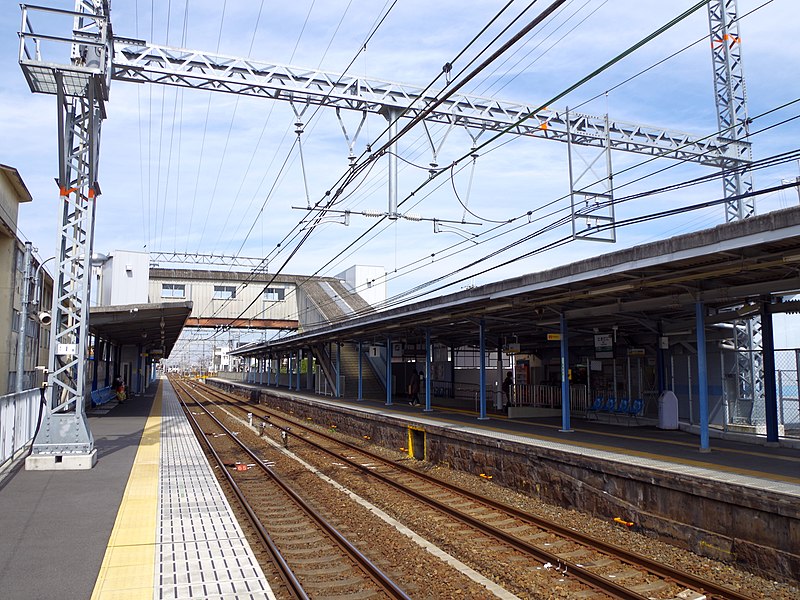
470	358
173	290
224	292
274	294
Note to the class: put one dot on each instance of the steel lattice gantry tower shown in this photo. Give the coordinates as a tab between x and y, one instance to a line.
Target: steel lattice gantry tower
81	87
731	104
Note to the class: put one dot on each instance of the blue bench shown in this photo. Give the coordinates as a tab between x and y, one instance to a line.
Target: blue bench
622	408
595	407
635	409
610	405
102	396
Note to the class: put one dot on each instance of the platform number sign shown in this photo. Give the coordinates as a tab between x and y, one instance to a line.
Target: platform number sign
604	345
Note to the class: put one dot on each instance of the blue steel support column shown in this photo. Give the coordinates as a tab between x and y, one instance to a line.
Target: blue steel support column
338	370
702	374
269	367
660	358
482	344
565	424
98	349
299	366
360	373
452	393
770	391
427	370
107	360
139	388
388	370
289	369
310	370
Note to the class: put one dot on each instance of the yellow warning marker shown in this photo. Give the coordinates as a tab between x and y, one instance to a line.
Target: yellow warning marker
129	563
623	522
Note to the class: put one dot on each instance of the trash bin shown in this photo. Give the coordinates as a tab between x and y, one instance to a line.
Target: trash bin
668	410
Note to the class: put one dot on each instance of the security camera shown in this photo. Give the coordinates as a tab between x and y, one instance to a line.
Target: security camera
44	317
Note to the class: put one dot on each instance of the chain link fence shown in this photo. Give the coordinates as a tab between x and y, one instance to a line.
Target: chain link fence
787	368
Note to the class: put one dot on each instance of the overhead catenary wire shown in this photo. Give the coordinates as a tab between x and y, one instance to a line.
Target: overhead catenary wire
369	36
782	158
347	177
343	177
538	19
551	101
288	156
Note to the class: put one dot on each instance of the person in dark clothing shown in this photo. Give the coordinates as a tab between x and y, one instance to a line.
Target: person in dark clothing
508	386
413	389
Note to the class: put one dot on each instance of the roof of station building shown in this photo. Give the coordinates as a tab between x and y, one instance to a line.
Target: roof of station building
154	327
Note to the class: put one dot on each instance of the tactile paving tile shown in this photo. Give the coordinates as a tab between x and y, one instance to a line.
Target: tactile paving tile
202	550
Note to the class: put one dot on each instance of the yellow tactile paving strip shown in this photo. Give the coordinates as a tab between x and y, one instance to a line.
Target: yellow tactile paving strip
129	562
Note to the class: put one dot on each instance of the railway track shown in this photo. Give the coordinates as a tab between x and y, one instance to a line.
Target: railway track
313	559
602	569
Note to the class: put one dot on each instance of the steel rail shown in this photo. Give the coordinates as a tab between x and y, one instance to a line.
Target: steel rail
383	581
293	585
711	589
593	580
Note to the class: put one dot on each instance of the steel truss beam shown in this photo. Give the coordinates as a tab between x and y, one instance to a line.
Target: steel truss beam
195	258
138	61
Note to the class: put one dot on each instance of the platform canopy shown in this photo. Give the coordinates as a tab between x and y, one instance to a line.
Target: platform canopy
645	291
154	327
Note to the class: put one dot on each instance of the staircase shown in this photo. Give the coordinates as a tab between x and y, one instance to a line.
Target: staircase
371	386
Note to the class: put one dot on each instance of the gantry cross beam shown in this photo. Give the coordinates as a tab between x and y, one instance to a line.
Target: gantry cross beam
138	61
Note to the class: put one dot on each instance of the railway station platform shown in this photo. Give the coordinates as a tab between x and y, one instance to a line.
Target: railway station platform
149	521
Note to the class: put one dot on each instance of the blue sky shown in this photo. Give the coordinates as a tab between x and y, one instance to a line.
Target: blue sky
194	171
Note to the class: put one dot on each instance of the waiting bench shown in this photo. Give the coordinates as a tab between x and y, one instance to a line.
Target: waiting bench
102	395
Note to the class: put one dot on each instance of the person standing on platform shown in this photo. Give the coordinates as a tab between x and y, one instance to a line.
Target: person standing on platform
413	389
508	387
119	389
